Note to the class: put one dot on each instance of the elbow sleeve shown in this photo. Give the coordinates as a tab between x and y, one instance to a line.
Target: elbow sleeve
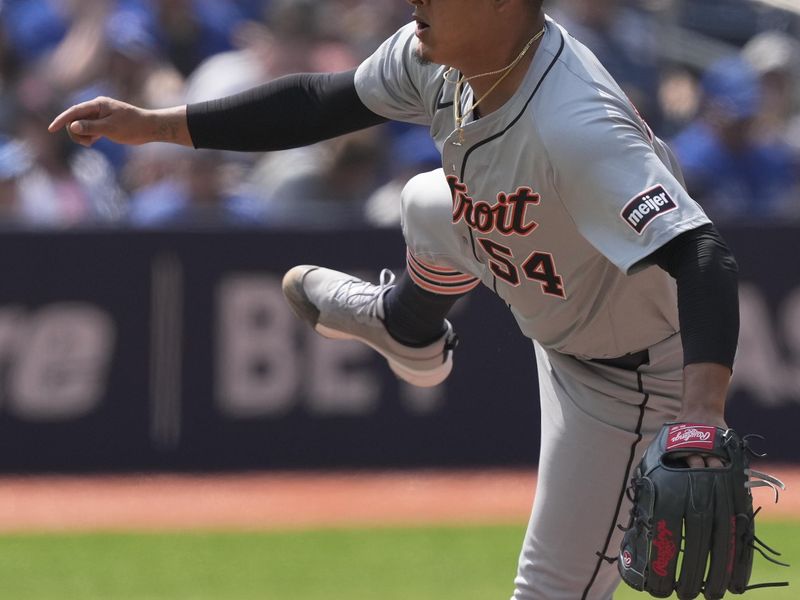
708	303
288	112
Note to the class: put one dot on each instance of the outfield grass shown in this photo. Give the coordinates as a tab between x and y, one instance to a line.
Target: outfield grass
447	563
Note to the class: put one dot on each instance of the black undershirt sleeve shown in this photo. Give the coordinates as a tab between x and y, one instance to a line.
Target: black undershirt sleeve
708	303
288	112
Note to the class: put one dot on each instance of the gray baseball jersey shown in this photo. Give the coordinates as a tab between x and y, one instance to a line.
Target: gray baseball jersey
556	197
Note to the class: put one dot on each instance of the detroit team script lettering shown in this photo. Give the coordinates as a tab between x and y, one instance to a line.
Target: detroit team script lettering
507	215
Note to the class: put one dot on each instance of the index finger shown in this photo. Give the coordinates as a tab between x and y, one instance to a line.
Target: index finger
700	461
695	461
79	111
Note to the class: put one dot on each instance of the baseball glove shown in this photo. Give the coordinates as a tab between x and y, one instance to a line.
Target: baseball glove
705	513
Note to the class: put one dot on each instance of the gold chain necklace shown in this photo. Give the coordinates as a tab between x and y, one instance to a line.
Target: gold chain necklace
458	117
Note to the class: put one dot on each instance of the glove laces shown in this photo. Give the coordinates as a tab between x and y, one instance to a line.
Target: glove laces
756	479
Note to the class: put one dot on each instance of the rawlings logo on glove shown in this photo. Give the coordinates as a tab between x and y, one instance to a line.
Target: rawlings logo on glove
707	513
665	549
694	437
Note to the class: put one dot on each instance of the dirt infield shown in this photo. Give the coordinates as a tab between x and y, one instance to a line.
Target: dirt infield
288	500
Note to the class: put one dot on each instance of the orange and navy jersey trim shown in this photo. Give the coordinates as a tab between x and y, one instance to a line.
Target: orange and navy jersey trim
439	280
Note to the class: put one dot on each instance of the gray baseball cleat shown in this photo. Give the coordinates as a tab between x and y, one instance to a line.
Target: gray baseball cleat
340	306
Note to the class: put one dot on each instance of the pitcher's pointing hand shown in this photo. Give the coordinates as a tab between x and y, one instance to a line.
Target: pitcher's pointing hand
122	123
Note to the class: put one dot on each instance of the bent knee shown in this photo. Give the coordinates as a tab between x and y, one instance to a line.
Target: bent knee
426	199
427	218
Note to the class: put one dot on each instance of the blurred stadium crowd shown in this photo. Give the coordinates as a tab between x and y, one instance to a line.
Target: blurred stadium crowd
718	78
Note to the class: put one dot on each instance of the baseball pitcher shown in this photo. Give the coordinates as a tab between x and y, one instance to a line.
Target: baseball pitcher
556	195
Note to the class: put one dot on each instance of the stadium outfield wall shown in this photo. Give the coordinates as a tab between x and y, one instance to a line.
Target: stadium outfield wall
168	350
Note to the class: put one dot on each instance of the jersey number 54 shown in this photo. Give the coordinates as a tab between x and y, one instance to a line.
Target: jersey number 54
538	266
